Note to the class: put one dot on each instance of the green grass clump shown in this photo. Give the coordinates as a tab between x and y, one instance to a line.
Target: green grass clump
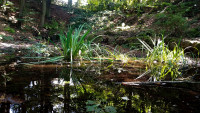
73	44
165	61
161	53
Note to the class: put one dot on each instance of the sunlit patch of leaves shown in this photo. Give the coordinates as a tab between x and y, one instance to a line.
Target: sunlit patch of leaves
98	107
169	60
43	50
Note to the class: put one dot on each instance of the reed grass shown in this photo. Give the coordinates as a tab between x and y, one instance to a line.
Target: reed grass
162	61
160	52
73	43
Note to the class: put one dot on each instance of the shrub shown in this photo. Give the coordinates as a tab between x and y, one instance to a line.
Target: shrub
53	27
173	24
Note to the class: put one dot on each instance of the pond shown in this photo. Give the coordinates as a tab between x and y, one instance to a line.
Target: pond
93	87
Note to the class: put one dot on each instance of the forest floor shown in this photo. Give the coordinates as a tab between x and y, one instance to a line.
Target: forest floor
123	34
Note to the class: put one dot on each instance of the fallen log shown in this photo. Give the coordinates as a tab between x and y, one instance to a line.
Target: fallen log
168	84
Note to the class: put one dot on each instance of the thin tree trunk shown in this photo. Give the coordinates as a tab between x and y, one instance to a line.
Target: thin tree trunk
66	98
48	9
43	13
1	2
70	3
21	12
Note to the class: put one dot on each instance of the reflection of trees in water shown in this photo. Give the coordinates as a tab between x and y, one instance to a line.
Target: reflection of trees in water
66	93
45	94
41	95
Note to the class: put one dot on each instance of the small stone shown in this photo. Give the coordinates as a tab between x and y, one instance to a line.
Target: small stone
125	98
174	105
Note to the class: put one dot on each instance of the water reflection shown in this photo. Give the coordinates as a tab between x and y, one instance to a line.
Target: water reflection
54	88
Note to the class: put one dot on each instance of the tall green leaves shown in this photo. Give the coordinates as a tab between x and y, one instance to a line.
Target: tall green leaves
161	53
73	44
162	61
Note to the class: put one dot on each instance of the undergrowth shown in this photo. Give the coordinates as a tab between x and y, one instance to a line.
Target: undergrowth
73	43
162	59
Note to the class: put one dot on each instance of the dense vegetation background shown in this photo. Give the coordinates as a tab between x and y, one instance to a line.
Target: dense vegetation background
115	22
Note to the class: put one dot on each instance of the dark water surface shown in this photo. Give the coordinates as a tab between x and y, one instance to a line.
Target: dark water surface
60	89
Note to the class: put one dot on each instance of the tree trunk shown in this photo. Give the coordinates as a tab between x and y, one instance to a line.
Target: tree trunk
78	3
48	9
43	13
1	2
21	13
70	3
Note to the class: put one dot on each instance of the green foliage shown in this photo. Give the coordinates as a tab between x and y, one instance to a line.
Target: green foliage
187	8
9	29
98	107
41	49
146	33
8	6
100	5
6	38
161	53
73	44
101	20
174	19
96	52
165	71
54	26
168	59
174	24
193	32
117	55
133	41
81	18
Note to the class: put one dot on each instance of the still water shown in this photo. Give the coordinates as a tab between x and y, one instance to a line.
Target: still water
93	88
